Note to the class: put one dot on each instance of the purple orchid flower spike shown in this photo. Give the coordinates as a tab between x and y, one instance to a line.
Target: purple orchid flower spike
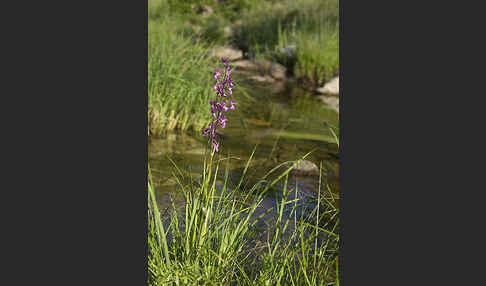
223	86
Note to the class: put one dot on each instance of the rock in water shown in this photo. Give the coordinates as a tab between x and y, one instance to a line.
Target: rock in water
246	65
261	79
332	101
332	87
225	52
264	67
278	71
305	168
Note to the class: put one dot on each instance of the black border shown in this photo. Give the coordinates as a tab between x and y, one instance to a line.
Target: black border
80	205
82	200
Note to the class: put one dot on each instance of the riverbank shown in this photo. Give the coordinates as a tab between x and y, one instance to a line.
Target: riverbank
287	42
179	79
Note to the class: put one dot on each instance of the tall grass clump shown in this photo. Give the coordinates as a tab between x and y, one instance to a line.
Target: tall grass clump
216	241
303	35
178	72
207	241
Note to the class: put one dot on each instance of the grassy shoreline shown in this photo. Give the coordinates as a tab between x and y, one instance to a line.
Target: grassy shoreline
179	74
179	65
214	241
311	27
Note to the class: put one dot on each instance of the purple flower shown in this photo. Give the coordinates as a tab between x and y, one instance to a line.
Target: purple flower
206	131
213	104
232	104
216	74
223	87
222	121
215	145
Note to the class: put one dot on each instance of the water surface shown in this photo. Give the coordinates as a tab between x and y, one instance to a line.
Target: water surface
284	125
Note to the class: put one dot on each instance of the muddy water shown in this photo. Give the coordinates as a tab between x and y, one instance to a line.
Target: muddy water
284	124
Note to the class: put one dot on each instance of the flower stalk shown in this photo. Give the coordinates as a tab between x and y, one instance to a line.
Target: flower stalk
223	86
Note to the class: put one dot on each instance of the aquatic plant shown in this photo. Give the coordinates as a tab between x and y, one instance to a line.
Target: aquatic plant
223	85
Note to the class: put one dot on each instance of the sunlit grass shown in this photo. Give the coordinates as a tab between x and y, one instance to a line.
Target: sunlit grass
214	240
312	26
179	68
179	79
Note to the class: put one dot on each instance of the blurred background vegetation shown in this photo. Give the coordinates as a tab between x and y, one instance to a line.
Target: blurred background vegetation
302	35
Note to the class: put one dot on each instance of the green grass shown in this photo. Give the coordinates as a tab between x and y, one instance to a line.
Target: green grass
215	240
180	72
179	78
179	68
311	25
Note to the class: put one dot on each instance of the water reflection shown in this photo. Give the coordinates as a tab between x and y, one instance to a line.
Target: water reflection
284	126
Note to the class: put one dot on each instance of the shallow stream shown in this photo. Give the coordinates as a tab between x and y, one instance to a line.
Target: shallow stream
284	123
